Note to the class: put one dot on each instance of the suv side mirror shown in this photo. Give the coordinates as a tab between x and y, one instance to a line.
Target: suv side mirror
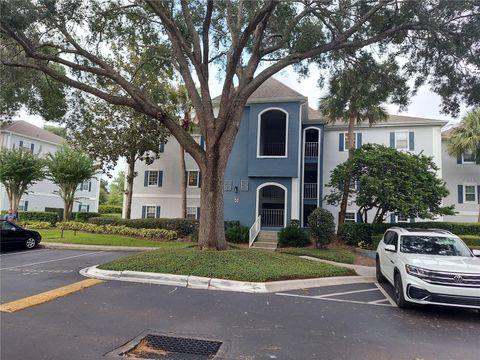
476	252
390	248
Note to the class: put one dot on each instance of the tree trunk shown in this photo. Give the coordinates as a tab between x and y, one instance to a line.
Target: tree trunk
346	184
130	178
183	170
211	234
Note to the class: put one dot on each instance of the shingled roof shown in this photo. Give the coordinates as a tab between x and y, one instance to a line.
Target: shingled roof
24	128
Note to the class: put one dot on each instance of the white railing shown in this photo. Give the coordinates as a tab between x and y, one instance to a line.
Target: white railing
310	190
273	149
311	149
254	230
272	217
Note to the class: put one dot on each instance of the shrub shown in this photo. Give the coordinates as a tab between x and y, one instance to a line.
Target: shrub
35	224
23	216
471	240
120	230
183	227
109	209
237	234
352	233
85	216
231	223
293	236
322	226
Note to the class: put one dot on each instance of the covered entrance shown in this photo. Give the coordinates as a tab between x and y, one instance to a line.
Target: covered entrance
272	205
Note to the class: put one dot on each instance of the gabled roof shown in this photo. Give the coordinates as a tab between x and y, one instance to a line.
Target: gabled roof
272	90
21	127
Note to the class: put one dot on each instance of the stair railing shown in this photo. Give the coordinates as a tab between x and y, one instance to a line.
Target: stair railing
254	230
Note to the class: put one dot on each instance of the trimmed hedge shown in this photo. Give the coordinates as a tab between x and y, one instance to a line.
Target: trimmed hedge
35	224
119	230
109	209
85	216
353	233
237	234
471	240
183	227
51	217
293	236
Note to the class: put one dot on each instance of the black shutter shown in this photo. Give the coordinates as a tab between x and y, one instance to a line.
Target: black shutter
160	178
460	194
341	142
145	179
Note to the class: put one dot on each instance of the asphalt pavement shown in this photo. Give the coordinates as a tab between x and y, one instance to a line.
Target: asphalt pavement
337	322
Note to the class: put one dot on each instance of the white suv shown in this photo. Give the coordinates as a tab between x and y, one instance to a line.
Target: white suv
429	266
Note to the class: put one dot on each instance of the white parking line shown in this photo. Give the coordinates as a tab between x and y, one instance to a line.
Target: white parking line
344	293
330	299
48	261
390	300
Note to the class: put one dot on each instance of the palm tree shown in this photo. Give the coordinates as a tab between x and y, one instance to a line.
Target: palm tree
356	95
466	138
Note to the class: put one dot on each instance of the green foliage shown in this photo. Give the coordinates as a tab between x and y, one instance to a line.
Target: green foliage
103	196
85	216
67	168
293	236
19	169
231	223
354	233
109	209
466	137
471	240
35	224
117	187
393	181
57	130
237	234
183	227
42	216
338	255
120	230
322	226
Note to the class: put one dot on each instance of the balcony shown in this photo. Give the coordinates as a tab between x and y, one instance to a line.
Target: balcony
310	190
272	217
311	149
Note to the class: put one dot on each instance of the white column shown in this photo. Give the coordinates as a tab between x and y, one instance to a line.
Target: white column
295	199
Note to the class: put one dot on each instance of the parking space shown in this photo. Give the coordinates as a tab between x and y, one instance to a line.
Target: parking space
26	273
360	293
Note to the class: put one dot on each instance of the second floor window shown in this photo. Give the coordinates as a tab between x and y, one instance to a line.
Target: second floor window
468	158
85	186
272	134
470	193
401	140
350	217
153	178
194	179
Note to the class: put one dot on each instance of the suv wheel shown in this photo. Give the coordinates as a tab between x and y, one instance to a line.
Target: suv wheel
378	272
399	296
30	243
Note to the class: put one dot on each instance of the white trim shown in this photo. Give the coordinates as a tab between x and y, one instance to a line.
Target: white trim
465	193
34	138
303	167
354	216
467	162
345	138
148	178
146	211
397	219
259	133
408	139
188	179
285	203
196	211
295	201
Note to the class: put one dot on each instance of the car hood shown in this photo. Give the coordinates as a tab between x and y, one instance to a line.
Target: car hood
445	263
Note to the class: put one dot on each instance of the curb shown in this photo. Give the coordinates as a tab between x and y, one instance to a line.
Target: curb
62	246
197	282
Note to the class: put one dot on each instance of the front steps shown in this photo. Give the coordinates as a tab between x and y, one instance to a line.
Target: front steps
266	240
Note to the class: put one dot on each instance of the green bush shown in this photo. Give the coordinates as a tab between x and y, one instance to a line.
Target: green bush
322	226
51	217
471	240
35	224
231	223
293	236
109	209
183	227
119	230
85	216
354	233
237	234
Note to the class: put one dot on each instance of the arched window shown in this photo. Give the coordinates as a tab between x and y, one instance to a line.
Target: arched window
272	133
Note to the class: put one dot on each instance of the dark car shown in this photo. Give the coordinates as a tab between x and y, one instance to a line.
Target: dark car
12	234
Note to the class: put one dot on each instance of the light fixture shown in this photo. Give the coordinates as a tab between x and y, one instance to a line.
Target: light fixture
235	189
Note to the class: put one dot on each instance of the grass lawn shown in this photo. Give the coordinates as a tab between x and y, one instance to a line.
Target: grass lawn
53	235
338	255
243	265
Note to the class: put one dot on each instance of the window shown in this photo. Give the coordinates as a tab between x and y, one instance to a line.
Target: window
470	193
272	134
193	179
153	178
151	212
353	184
23	205
82	208
401	140
26	145
228	185
244	185
85	186
192	212
350	217
199	139
345	137
402	219
5	225
468	158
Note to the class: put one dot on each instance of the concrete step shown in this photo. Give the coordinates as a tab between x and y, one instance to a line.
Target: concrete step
263	248
260	238
264	245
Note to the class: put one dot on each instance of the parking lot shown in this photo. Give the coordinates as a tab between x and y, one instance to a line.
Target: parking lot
355	321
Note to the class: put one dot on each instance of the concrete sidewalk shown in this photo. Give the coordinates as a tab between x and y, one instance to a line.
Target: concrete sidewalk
359	269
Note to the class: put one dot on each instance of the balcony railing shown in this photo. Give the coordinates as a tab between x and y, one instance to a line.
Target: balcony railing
310	190
273	149
272	217
311	149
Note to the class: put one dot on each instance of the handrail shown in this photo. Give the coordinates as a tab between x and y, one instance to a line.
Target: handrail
254	230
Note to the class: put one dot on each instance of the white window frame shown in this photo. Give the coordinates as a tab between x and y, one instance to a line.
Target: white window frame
259	128
21	205
193	211
466	161
158	178
408	140
28	148
345	140
198	140
82	207
350	220
398	220
474	201
84	186
188	179
154	211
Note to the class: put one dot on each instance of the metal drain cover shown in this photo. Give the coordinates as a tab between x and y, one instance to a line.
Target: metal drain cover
162	347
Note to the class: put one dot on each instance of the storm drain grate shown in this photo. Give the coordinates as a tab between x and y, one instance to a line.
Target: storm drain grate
174	348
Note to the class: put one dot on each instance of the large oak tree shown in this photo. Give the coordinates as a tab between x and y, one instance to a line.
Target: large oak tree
93	41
